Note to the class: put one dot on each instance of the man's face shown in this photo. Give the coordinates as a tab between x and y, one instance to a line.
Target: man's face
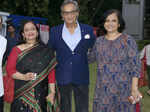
70	14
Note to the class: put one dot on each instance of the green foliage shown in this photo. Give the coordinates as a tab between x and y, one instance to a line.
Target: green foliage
54	15
142	43
90	10
104	6
26	7
33	8
84	12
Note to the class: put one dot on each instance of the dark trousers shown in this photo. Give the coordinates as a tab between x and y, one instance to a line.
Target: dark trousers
81	97
1	104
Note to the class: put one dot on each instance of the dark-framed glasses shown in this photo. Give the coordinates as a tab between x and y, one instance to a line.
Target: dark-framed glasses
69	12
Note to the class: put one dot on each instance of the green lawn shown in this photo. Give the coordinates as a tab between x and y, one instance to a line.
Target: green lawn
145	101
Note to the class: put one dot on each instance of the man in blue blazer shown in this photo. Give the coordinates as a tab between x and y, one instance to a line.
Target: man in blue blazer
71	42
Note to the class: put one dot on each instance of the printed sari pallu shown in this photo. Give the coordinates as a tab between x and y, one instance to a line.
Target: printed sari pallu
31	95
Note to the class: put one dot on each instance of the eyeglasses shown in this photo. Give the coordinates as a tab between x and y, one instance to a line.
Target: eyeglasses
65	13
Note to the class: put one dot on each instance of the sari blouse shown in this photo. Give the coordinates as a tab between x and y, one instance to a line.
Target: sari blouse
12	61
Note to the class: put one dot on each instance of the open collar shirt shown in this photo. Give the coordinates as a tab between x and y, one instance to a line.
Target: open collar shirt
71	40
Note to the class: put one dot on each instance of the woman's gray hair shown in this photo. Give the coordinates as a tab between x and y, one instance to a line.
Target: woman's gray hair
75	3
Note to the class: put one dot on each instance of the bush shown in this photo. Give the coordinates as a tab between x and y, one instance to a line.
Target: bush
142	43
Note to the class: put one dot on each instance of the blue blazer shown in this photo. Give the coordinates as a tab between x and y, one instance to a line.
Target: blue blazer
72	66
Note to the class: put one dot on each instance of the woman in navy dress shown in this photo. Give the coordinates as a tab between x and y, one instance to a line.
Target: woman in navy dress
118	67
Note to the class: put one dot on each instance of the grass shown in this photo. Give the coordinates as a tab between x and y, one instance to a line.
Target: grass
145	104
92	84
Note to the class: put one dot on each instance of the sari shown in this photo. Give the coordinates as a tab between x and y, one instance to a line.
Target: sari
143	80
30	96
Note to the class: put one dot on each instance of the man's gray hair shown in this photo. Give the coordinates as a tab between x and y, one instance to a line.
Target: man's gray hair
75	3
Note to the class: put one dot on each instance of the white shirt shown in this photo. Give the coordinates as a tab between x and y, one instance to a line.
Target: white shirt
3	43
71	40
147	50
2	30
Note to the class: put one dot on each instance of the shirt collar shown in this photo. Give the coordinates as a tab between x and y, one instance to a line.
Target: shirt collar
76	29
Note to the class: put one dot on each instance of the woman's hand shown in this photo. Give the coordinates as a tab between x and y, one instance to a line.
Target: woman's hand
136	94
134	90
26	77
51	97
29	76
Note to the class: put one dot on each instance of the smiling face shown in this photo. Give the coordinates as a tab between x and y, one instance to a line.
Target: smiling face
70	13
30	32
111	24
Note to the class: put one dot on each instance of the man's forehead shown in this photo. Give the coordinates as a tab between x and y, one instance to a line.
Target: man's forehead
69	6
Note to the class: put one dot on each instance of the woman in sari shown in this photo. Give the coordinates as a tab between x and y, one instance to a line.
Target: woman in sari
30	70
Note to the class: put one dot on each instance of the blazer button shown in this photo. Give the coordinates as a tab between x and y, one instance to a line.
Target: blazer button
73	53
71	63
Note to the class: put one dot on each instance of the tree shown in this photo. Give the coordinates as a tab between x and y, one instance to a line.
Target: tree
38	8
54	15
98	7
90	10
